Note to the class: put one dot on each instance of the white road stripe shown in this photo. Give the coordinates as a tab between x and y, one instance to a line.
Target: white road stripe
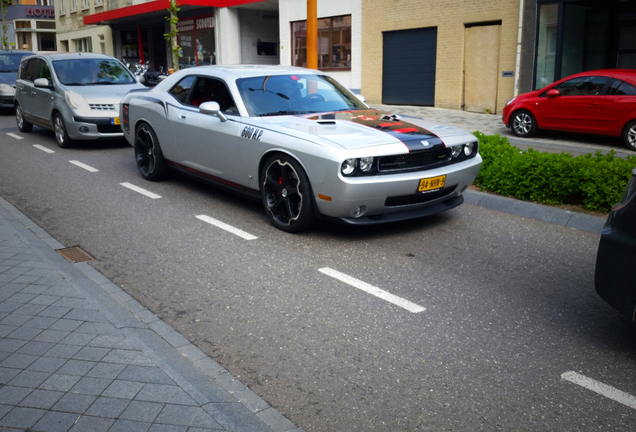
226	227
141	191
409	306
44	149
600	388
83	165
14	135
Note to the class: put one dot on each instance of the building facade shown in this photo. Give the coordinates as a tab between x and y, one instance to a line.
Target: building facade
73	36
31	26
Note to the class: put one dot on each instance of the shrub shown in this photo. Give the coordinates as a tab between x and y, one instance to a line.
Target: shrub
594	181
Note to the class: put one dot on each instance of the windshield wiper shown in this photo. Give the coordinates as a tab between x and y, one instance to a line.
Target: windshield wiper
282	113
74	84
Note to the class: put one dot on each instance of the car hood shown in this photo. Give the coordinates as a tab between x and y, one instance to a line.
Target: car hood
369	128
103	94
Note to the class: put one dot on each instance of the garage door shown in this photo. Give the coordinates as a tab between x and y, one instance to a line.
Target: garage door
408	66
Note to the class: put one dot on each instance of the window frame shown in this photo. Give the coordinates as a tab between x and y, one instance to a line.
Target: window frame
300	43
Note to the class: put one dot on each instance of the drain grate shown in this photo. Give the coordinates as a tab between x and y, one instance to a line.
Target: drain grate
74	254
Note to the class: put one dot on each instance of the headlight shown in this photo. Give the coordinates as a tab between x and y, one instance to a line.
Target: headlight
76	101
349	166
468	148
6	88
456	151
510	101
366	163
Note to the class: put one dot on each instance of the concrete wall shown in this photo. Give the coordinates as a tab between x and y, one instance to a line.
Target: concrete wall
257	26
450	17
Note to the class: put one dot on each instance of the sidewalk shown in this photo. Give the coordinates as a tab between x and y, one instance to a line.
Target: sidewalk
490	124
77	353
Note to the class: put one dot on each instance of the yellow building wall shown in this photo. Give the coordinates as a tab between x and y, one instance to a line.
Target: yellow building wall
450	17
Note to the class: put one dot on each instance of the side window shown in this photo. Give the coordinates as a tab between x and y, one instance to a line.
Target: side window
582	86
44	71
32	69
182	89
621	88
213	90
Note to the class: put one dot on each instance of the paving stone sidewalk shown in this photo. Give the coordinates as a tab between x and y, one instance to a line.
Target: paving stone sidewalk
77	353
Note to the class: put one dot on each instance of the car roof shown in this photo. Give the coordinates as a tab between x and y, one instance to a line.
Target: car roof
247	71
69	56
614	73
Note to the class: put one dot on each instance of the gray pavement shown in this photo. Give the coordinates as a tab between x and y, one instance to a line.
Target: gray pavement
77	353
490	124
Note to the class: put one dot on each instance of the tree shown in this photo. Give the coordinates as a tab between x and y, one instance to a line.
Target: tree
173	19
5	27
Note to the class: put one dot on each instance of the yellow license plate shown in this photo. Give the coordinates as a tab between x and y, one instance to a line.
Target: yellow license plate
114	121
432	183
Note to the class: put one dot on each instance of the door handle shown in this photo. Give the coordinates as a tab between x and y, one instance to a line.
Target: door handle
183	116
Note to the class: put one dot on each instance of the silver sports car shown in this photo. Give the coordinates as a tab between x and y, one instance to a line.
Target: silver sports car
300	142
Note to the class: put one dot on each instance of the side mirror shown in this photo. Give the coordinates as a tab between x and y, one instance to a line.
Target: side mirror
212	108
552	93
42	83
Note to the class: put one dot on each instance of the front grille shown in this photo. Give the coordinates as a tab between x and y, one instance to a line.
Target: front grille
7	101
418	198
109	128
102	107
413	160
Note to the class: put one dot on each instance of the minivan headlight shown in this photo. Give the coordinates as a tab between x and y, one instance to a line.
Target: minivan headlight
6	88
76	101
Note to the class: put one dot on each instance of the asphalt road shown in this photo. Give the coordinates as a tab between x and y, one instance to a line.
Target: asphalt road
511	330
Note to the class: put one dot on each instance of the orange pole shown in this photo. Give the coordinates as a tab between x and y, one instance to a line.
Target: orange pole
312	34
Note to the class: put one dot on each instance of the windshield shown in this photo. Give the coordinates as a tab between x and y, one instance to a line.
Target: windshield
295	94
92	72
11	62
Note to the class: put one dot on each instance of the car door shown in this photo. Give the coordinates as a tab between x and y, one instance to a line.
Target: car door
577	108
41	97
619	106
24	86
205	142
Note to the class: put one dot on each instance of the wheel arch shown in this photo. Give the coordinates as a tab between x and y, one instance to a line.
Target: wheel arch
534	116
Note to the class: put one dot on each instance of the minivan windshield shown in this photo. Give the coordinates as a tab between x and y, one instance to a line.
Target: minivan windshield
11	62
77	72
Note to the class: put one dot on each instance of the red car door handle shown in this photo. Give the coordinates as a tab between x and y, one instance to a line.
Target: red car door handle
593	103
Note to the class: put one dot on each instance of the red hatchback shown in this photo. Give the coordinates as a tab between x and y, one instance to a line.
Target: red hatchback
601	102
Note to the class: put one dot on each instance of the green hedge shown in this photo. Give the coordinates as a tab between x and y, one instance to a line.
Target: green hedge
594	181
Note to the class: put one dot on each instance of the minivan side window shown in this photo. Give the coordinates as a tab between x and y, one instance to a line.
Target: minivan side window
31	72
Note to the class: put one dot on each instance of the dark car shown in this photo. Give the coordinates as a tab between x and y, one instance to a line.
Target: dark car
9	64
615	277
601	102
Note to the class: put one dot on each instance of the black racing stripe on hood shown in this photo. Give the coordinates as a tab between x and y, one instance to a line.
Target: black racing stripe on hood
414	137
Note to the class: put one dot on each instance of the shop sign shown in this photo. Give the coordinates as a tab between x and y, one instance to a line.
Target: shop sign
205	23
40	12
185	25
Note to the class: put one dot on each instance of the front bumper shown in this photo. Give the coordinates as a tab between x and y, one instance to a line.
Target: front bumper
93	128
7	100
393	197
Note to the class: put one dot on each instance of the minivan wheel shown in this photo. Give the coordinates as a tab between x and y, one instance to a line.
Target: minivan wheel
61	136
23	125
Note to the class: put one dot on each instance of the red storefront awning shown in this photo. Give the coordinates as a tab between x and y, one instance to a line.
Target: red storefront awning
155	6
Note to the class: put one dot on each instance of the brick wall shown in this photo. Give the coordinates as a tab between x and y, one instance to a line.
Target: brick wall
450	17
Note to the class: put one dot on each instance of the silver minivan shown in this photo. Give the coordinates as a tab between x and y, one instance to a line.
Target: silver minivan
76	95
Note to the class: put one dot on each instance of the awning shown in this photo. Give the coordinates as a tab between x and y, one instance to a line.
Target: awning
156	6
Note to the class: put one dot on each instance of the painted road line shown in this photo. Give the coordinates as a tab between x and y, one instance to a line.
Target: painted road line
141	191
12	135
600	388
83	165
409	306
226	227
44	149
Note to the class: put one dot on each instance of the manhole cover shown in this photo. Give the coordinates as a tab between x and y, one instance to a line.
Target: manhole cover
74	254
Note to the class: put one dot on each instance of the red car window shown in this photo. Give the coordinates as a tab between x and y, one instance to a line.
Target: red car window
622	88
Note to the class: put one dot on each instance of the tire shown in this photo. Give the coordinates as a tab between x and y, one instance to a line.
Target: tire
61	136
629	135
148	155
286	194
523	124
23	125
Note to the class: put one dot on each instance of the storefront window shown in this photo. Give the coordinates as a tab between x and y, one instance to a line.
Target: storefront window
546	47
196	39
334	43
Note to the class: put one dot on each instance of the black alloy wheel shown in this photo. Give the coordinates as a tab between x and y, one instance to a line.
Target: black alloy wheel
286	194
148	155
59	128
523	124
629	135
23	125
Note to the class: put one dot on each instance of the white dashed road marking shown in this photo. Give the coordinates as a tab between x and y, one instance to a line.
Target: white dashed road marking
411	307
14	135
44	149
600	388
226	227
83	165
141	191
